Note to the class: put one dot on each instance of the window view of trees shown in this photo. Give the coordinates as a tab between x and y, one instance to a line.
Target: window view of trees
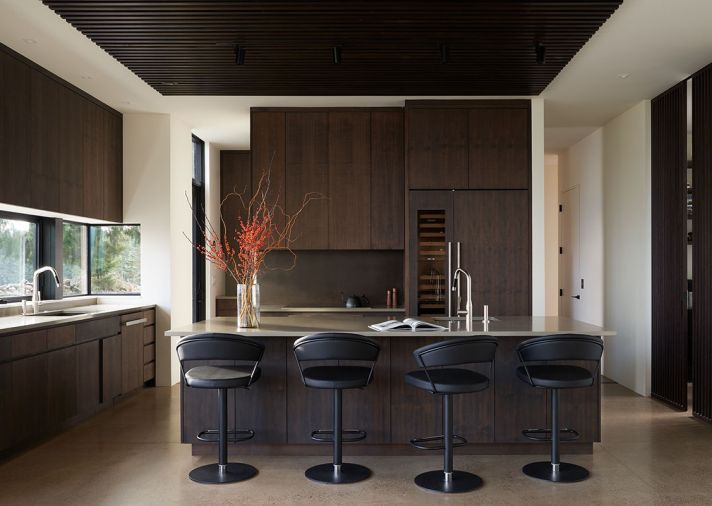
18	246
115	253
74	259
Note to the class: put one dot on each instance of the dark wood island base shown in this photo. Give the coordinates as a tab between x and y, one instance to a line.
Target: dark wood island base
283	413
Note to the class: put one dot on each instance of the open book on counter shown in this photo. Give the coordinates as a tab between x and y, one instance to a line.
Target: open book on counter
407	324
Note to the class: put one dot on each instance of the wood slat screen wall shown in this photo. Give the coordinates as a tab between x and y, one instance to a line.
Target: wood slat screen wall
669	369
702	244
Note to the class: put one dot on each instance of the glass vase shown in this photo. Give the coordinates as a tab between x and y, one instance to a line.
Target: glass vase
248	306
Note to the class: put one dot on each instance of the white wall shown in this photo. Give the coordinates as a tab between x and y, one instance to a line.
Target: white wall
551	233
181	157
627	222
146	153
538	210
612	168
582	165
215	279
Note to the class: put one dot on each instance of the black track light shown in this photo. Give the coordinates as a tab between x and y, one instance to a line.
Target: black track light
540	51
336	53
239	55
444	53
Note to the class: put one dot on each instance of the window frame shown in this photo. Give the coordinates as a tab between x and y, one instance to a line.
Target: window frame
37	221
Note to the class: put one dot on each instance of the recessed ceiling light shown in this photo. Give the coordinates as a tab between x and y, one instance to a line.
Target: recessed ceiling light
29	41
624	75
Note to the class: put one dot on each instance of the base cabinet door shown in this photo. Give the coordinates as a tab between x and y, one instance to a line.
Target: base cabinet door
61	387
88	378
131	357
111	368
7	413
29	399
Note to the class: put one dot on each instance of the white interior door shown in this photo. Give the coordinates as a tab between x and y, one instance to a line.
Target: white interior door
570	253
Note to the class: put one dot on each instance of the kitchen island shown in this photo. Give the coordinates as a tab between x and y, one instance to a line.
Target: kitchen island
283	413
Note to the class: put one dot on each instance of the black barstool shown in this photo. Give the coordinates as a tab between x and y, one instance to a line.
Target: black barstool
221	347
437	376
538	370
334	347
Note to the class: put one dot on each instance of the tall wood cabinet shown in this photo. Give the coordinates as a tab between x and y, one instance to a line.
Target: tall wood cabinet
60	149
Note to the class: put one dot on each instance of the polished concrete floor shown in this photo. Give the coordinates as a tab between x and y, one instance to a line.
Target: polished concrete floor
131	455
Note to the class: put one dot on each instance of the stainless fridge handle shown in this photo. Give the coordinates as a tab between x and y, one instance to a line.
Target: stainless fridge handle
449	279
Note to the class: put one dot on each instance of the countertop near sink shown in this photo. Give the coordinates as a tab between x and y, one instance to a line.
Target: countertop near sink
19	323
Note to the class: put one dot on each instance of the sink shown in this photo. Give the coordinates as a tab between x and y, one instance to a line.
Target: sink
60	312
462	318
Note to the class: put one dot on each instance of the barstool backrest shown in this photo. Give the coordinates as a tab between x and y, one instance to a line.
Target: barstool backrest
336	346
462	350
561	347
217	346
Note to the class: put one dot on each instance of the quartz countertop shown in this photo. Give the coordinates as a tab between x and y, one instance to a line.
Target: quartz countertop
299	325
19	323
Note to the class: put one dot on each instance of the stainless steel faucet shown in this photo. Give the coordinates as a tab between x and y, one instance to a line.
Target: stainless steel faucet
35	287
468	305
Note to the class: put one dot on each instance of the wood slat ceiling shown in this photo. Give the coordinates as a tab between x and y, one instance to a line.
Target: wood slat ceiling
387	47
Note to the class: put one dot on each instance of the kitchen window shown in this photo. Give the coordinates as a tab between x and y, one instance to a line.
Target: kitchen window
18	256
114	259
75	259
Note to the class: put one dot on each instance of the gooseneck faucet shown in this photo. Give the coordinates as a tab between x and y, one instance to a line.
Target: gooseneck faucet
35	287
468	305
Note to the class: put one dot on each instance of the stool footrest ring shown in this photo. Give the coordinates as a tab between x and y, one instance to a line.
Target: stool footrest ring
233	436
428	443
347	435
545	434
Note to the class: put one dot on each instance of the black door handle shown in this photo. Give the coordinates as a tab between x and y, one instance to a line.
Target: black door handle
576	297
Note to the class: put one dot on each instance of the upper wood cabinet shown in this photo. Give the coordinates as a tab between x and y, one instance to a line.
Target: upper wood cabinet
468	144
353	157
349	180
235	177
307	171
387	180
499	148
436	148
60	149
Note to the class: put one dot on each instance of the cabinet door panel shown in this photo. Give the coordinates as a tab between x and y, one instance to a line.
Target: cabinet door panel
131	357
93	159
436	143
88	377
62	386
495	234
387	180
111	368
307	167
71	178
111	147
267	152
349	180
29	398
7	406
14	131
44	151
235	177
499	148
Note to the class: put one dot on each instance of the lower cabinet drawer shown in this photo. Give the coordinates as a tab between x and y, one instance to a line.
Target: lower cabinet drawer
149	371
149	353
149	334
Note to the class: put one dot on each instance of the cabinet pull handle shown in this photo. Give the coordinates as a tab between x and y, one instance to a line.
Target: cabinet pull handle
136	322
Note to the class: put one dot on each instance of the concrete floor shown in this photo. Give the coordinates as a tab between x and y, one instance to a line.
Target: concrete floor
131	455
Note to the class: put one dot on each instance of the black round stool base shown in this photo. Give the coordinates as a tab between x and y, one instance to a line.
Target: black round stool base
327	473
461	481
566	473
233	473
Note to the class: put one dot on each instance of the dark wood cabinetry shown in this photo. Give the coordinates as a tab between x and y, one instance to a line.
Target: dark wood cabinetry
387	180
29	398
62	386
88	378
436	148
131	352
349	180
468	144
307	170
235	177
111	361
60	149
353	157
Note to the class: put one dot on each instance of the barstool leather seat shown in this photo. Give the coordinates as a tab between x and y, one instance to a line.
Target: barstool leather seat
450	380
331	377
209	376
556	376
